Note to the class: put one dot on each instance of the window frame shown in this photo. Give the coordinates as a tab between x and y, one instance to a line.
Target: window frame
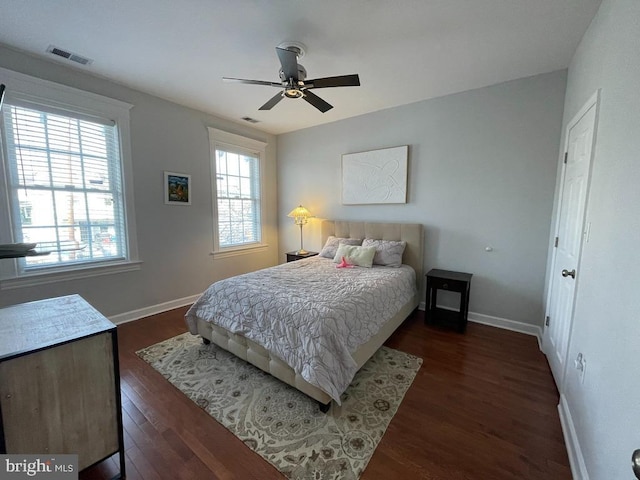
238	144
79	103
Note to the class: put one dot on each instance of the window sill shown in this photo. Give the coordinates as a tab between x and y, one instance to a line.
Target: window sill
76	273
240	251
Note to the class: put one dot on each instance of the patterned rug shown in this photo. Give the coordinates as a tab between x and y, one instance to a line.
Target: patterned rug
282	425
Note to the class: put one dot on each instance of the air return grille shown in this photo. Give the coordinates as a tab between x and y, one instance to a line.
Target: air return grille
69	56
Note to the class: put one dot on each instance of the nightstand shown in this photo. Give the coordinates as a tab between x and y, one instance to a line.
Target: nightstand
459	282
293	256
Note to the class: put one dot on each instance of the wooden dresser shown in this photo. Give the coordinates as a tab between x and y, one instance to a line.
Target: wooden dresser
59	381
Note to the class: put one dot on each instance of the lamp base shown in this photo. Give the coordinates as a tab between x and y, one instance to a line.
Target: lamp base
301	252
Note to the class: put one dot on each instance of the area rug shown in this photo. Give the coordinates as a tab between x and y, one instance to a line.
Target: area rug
282	425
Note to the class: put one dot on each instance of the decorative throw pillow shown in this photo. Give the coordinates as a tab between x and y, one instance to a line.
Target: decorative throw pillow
331	246
388	252
355	255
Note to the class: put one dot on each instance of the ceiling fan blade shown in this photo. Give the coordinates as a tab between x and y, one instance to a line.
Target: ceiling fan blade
252	82
272	102
339	81
289	62
317	102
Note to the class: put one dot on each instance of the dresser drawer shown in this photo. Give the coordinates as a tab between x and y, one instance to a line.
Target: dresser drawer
448	284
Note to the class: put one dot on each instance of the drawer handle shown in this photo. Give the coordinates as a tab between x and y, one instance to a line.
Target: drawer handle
445	286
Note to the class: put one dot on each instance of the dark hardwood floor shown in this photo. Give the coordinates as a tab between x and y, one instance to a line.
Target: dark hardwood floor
483	406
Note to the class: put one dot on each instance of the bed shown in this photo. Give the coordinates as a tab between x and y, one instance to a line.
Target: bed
315	356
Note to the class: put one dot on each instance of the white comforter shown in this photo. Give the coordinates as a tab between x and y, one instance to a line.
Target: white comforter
309	313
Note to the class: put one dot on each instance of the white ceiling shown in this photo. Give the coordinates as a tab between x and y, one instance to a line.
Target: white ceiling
404	50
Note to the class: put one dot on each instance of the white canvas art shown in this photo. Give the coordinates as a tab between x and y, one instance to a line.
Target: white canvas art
378	176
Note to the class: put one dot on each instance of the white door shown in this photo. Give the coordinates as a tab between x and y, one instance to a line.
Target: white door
570	232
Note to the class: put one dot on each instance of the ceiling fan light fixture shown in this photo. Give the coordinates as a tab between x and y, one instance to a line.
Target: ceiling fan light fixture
293	83
293	93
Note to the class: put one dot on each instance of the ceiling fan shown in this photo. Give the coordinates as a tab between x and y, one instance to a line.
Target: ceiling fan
293	79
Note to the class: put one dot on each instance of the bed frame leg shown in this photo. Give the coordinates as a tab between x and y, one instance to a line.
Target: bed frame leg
206	341
324	407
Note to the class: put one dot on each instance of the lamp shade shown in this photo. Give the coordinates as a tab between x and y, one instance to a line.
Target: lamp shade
300	214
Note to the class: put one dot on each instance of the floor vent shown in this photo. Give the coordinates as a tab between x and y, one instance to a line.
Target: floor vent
250	120
69	56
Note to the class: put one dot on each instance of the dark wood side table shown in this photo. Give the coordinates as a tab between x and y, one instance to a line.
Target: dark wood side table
459	282
293	256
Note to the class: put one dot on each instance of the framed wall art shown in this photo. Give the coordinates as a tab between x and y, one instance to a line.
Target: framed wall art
377	176
177	188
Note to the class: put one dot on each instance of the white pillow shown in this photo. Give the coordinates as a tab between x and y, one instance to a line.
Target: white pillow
331	245
355	255
388	252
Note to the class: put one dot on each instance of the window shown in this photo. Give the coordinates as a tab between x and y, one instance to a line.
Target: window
69	170
64	172
236	182
238	194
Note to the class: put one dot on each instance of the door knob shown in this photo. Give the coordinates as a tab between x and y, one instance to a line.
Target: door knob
635	463
567	273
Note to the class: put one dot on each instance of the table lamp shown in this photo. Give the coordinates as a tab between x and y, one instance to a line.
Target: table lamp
300	216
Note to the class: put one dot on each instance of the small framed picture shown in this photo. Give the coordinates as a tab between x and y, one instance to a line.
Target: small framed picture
177	188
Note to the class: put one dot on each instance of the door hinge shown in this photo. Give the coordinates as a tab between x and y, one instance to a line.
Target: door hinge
546	321
566	154
555	244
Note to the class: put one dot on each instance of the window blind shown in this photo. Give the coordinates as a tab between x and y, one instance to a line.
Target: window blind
238	198
65	184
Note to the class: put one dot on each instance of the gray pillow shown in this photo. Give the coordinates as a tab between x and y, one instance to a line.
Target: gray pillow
388	252
331	246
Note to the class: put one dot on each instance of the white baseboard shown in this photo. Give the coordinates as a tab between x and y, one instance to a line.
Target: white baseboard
576	459
152	310
498	322
507	324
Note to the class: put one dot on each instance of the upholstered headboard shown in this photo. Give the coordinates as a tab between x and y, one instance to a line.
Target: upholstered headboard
412	233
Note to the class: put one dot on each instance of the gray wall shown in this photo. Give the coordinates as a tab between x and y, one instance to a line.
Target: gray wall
604	411
174	241
482	167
